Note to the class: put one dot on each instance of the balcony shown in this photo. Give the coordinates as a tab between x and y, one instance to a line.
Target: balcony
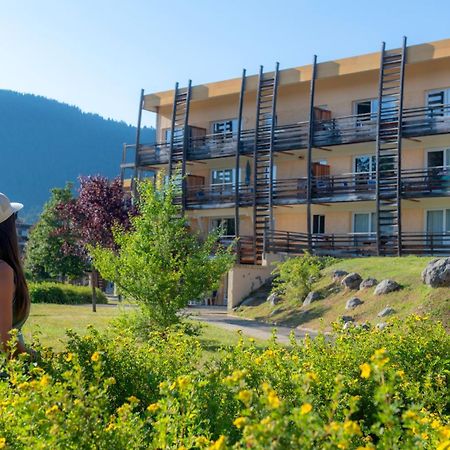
416	183
419	121
355	244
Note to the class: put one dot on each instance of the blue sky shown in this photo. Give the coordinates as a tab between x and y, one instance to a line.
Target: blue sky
97	54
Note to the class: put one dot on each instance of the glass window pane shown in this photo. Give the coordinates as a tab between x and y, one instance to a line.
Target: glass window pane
447	220
361	223
435	158
435	221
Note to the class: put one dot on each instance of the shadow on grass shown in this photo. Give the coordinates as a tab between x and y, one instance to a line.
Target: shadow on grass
302	316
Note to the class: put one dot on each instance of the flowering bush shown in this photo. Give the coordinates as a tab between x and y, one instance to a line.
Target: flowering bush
361	390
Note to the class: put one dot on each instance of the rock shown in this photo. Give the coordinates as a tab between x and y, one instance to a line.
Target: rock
353	303
352	281
386	312
274	299
381	325
386	286
364	326
338	274
313	296
347	319
347	325
437	273
368	283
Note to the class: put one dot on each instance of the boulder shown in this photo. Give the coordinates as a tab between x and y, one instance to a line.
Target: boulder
347	319
347	325
381	325
386	286
368	283
313	296
352	281
353	303
274	299
437	273
386	312
338	274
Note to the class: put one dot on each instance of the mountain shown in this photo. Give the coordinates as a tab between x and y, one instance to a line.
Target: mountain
45	143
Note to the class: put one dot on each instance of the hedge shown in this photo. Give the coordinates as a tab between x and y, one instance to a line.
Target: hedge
63	294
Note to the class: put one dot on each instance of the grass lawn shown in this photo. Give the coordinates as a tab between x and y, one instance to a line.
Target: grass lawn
414	297
51	322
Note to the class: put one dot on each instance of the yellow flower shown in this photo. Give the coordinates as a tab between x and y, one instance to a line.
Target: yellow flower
182	448
305	408
365	370
240	422
273	400
366	447
133	400
2	442
258	360
182	382
52	410
351	427
245	396
201	440
95	356
409	415
312	376
110	427
153	407
424	436
445	445
295	359
219	444
44	380
69	357
401	373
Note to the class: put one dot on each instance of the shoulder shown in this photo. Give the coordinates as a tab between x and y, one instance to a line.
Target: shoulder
6	273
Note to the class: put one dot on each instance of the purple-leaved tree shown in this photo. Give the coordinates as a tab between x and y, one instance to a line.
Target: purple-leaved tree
100	206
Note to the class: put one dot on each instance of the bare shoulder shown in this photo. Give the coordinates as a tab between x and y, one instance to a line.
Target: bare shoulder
6	273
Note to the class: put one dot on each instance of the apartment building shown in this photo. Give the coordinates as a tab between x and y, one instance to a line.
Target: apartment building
348	158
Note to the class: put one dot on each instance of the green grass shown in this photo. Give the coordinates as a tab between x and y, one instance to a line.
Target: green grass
51	321
413	298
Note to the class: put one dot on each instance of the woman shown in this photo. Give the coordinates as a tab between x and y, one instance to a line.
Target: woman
14	298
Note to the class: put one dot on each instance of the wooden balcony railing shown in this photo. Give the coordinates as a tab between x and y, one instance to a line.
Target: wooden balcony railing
354	244
331	188
418	121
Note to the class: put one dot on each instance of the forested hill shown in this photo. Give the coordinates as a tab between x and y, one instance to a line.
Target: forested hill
44	143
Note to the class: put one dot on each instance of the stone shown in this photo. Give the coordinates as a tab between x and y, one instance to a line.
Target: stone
313	296
353	303
347	319
364	326
386	312
347	325
437	273
368	283
352	281
381	325
385	287
338	274
274	299
276	311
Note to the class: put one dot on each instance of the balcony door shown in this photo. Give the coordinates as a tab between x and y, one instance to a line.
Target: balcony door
223	180
364	168
367	110
227	224
438	224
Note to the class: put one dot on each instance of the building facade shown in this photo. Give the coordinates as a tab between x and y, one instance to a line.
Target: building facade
347	158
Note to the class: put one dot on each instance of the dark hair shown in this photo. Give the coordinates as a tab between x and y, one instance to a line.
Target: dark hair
9	252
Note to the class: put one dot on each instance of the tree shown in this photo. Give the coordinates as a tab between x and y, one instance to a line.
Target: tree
100	206
46	251
159	262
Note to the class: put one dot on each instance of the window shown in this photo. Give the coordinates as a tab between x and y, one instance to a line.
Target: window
369	109
178	133
318	224
366	164
438	221
436	99
224	126
364	223
438	158
227	225
223	177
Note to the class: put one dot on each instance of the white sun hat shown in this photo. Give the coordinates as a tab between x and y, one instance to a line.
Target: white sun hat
7	208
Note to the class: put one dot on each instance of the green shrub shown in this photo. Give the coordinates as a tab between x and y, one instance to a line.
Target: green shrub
295	276
63	294
361	390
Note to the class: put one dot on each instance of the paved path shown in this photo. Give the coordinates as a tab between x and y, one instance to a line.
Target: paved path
218	316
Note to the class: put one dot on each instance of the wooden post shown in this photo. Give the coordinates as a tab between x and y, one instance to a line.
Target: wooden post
93	277
309	153
138	143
